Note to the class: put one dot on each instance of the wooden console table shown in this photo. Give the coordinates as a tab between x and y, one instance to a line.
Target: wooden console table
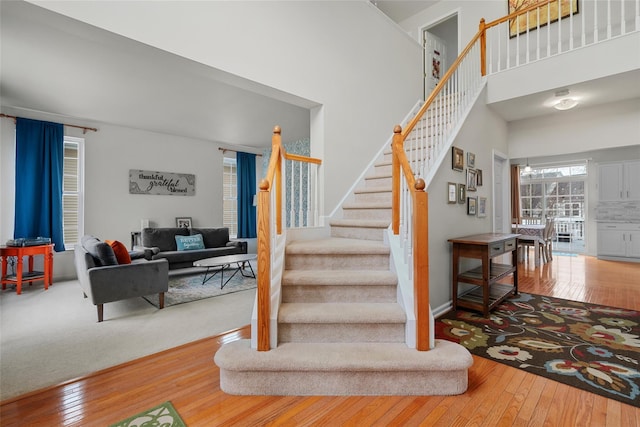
30	276
484	247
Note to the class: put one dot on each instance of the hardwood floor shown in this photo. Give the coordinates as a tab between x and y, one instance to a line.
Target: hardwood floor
497	394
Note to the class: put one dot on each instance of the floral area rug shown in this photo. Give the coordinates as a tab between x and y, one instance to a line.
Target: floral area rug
587	346
163	415
187	288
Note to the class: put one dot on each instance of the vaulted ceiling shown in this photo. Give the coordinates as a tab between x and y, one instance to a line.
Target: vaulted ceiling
50	63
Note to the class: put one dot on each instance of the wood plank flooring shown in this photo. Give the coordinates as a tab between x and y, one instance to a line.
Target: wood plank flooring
497	396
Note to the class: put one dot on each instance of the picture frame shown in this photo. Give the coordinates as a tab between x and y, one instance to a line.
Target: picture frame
462	194
183	221
471	179
452	192
457	159
472	203
482	207
471	160
529	21
479	177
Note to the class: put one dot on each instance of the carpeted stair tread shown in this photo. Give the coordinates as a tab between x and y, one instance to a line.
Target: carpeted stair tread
333	277
336	246
446	356
341	313
360	223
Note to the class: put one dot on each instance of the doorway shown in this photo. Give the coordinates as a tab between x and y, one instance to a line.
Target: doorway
439	49
500	193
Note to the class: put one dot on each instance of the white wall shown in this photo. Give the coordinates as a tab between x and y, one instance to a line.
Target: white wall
610	125
482	132
469	15
344	55
110	211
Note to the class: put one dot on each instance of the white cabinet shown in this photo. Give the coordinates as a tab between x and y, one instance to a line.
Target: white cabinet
619	181
619	241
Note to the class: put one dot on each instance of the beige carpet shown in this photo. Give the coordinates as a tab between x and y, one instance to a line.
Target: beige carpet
48	337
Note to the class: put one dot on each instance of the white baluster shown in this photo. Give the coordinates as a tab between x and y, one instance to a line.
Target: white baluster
548	32
595	22
608	19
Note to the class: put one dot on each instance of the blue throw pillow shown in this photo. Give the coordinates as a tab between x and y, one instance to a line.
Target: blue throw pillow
189	243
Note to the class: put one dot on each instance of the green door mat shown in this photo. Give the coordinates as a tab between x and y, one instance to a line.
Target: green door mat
161	415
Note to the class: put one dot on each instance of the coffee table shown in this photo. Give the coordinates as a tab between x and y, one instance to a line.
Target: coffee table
220	263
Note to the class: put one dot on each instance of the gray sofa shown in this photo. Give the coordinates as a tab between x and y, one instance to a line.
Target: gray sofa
160	243
103	280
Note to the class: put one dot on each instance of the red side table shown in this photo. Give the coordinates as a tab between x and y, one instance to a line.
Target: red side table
30	276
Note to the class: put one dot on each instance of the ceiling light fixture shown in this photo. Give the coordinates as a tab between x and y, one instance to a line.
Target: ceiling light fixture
565	103
527	168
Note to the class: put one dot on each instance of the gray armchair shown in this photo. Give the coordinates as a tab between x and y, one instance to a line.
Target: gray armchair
104	280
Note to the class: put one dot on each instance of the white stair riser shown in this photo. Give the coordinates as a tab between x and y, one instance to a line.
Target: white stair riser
383	169
339	293
343	332
378	181
372	213
337	262
373	197
344	383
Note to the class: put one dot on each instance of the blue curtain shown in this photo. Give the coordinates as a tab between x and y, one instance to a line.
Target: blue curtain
39	169
246	164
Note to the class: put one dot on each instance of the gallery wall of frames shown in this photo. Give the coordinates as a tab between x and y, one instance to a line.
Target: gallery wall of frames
466	192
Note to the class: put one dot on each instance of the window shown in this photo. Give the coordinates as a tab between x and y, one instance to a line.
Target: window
230	196
553	191
72	191
557	192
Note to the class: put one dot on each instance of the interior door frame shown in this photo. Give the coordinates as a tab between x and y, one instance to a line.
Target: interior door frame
456	12
499	157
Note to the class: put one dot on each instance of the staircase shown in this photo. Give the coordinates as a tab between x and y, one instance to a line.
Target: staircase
341	330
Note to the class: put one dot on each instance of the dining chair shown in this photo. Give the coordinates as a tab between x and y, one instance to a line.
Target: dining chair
548	236
523	249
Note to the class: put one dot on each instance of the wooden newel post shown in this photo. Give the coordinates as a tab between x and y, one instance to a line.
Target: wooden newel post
421	265
264	267
396	147
483	47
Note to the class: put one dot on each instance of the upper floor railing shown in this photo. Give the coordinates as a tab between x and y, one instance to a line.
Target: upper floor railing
548	28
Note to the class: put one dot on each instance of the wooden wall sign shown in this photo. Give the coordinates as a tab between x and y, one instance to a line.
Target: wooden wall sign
161	183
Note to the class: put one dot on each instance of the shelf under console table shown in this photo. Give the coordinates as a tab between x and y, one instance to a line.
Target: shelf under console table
489	292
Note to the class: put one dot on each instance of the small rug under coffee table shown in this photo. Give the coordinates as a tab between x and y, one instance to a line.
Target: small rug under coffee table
163	415
187	288
588	346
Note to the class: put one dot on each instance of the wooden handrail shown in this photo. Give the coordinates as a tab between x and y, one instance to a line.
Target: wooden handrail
299	158
273	175
481	34
427	103
271	182
400	165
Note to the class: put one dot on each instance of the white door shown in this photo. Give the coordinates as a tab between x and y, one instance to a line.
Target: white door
434	61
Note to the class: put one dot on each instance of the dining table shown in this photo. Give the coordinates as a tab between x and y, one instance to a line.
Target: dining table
531	233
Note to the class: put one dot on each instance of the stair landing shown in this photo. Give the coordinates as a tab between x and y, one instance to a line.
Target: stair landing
341	369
